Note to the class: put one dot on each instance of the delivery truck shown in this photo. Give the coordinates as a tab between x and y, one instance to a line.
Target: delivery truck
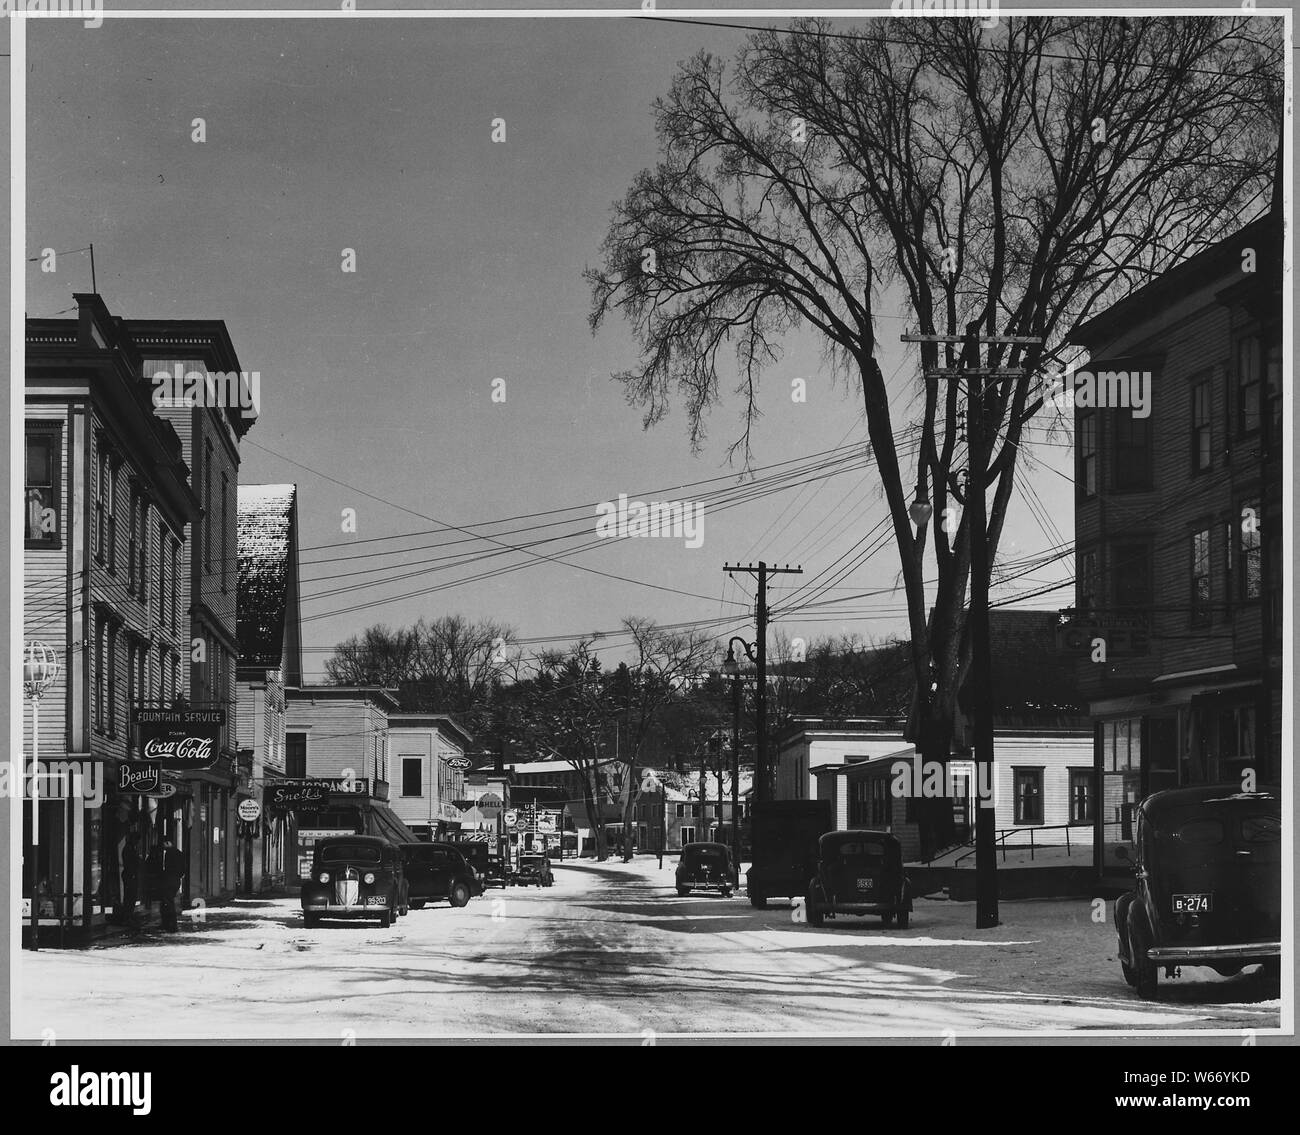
784	834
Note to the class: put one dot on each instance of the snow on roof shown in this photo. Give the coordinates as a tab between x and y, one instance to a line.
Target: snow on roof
266	518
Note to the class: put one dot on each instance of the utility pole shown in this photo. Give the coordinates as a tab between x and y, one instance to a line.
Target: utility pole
762	571
977	376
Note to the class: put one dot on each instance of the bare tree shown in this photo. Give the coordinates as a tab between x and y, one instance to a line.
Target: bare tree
1006	181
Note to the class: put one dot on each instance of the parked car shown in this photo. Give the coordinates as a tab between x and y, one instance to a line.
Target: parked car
705	867
534	870
859	872
436	871
354	876
1208	892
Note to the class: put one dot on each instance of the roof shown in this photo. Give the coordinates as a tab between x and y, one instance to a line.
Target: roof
1196	271
442	721
268	565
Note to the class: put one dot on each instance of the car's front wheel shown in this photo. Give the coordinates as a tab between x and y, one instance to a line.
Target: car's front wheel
683	891
459	895
385	920
757	899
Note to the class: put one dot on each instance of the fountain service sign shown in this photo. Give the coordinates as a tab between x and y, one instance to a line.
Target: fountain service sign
179	738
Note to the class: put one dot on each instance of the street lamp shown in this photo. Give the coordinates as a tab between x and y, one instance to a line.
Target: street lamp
731	668
40	669
920	510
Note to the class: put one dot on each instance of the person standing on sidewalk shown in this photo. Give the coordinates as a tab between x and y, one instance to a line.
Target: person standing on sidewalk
130	878
168	868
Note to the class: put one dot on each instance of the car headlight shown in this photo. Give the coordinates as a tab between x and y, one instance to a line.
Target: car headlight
369	877
323	877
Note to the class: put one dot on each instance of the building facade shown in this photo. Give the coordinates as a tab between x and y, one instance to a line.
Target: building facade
337	763
109	507
270	658
1177	621
429	767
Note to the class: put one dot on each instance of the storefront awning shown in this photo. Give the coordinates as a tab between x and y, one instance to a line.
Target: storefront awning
381	820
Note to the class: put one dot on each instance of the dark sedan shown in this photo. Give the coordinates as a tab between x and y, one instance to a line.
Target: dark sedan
705	867
1208	888
354	876
437	871
859	872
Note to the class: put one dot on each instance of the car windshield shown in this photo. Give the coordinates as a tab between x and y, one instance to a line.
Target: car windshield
712	854
350	853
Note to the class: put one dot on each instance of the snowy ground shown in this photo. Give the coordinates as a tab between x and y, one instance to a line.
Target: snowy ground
611	948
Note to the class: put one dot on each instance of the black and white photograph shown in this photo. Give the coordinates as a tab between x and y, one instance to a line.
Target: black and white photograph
651	526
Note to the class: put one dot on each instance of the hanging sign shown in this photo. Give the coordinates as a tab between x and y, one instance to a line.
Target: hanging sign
179	738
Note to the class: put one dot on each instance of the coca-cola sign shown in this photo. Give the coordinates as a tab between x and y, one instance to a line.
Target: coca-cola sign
179	738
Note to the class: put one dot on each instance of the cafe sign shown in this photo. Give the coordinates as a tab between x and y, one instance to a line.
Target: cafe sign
179	738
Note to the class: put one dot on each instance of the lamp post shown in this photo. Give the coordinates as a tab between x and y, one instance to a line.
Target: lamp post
40	669
732	668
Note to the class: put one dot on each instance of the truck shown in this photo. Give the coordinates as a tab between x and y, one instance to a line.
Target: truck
784	834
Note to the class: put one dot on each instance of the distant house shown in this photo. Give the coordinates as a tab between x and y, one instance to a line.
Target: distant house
1043	752
268	627
426	750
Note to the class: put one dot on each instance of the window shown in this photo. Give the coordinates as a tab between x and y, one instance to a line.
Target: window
685	811
105	514
132	690
1088	454
142	566
133	543
1201	589
1028	784
1122	744
1087	582
412	776
101	668
1132	452
175	682
1248	385
207	510
112	679
1202	458
1081	796
44	447
1131	573
295	754
1248	551
688	835
162	574
225	558
176	555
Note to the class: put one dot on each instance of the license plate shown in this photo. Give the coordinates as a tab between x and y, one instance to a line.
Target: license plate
865	884
376	900
1193	904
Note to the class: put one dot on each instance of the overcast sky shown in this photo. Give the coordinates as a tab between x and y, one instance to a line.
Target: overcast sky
376	136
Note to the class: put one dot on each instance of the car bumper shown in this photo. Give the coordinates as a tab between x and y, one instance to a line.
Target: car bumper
335	910
1208	955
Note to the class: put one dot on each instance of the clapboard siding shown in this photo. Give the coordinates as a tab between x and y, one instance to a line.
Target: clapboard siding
342	733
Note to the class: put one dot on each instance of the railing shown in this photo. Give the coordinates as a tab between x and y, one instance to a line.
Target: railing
1003	833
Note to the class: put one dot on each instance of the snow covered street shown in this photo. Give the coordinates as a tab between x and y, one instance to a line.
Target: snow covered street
611	948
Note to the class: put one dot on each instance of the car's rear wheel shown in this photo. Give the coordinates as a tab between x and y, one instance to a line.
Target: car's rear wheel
385	920
309	920
813	911
418	904
459	895
1146	973
683	891
887	919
